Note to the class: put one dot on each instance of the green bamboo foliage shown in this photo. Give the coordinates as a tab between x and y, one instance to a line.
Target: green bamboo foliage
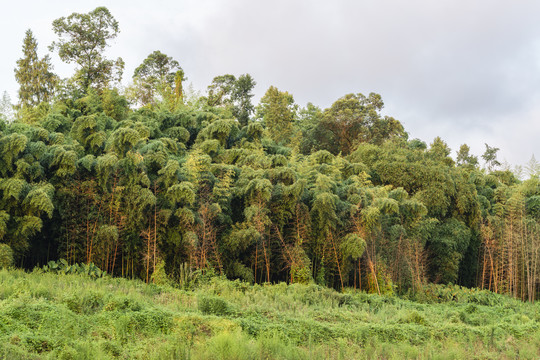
185	186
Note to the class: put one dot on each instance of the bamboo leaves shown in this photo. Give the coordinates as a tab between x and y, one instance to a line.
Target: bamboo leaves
10	147
39	201
352	246
4	218
182	194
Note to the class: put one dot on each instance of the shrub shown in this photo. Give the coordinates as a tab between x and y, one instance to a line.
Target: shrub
231	346
159	276
413	317
122	303
62	267
38	344
86	303
213	305
301	275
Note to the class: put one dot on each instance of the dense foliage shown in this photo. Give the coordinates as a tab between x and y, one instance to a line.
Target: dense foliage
266	193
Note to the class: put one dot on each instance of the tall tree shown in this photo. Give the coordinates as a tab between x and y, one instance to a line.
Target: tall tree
533	167
82	40
278	112
221	89
353	119
241	96
6	108
34	75
228	91
158	73
490	157
464	158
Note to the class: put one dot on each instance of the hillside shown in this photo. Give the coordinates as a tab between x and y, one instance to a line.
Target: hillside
54	316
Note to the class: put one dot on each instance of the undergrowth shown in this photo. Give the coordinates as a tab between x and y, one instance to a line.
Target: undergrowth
46	315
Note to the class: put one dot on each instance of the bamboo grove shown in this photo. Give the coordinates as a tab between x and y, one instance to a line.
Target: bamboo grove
153	178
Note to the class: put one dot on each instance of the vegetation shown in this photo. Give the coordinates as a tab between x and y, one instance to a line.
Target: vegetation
154	183
48	316
377	245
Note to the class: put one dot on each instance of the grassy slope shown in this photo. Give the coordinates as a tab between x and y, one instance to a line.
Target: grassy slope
46	316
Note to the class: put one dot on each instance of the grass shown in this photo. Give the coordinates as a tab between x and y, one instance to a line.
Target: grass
49	316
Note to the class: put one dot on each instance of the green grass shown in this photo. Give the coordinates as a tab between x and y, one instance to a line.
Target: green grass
49	316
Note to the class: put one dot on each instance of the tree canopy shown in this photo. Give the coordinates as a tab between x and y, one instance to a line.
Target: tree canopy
82	39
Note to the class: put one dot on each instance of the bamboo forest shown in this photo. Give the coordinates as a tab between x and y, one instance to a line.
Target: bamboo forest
168	186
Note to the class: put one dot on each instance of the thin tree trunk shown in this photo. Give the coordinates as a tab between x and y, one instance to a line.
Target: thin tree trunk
337	261
372	268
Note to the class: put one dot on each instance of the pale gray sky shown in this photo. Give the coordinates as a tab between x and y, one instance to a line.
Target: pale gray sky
468	71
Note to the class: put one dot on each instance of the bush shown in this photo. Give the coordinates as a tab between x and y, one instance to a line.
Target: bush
87	303
38	344
301	275
122	303
62	267
213	305
159	276
413	317
435	293
231	346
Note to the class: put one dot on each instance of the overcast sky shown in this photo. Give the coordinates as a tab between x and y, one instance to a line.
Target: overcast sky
468	71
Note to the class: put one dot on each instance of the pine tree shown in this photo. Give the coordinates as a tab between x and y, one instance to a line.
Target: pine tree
37	82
